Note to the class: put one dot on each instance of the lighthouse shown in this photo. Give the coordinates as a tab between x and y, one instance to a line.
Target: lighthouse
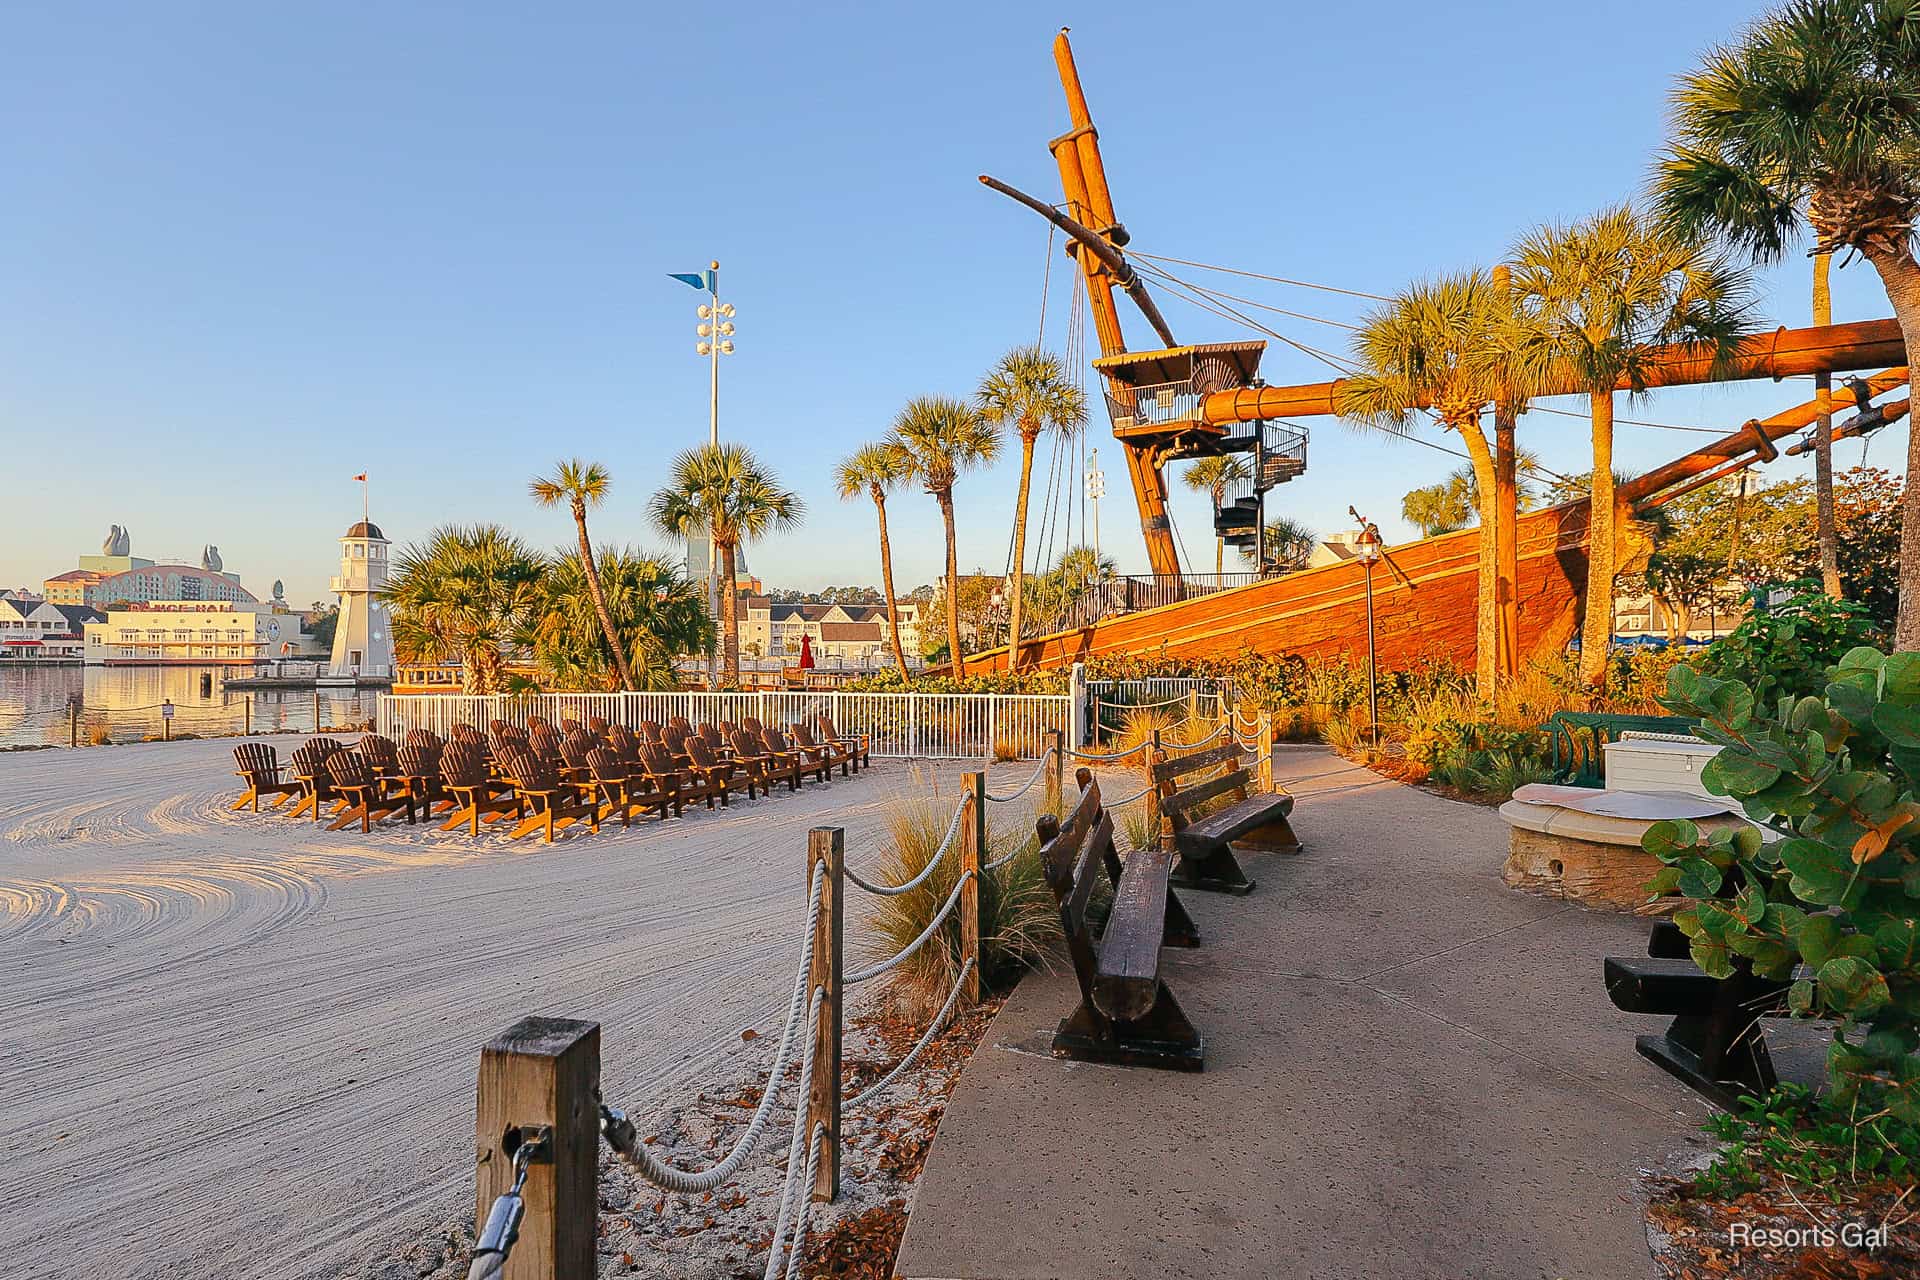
362	640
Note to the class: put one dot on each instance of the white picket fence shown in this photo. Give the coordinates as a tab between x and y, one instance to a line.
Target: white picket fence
905	725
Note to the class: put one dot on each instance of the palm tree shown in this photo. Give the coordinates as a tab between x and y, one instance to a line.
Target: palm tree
581	485
1604	292
943	437
1812	114
1211	475
1440	508
878	469
1029	390
724	491
1455	346
460	597
1289	545
658	613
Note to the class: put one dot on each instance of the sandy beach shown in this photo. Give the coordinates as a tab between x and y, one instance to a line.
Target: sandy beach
237	1045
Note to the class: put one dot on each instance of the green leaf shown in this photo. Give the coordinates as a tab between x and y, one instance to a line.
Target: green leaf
1731	704
1735	773
1712	956
1852	986
1670	838
1664	882
1900	678
1821	873
1898	942
1699	878
1800	998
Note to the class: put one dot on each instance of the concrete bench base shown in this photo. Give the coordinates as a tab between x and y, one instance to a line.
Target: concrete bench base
1590	857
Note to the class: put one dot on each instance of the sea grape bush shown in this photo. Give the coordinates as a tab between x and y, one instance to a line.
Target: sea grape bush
1787	647
1837	900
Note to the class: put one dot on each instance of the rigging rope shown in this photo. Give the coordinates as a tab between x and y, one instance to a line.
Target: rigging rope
1255	275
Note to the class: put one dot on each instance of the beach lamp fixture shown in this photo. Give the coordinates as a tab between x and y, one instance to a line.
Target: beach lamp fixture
1368	548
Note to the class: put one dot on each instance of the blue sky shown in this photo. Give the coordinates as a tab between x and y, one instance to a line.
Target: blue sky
247	251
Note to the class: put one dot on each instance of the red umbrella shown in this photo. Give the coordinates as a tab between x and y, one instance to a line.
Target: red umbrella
806	653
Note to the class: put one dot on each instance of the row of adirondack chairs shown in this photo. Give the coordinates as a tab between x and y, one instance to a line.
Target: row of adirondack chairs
544	777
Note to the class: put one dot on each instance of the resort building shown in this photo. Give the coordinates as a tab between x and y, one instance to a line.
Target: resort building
154	583
71	587
188	632
841	635
33	630
362	639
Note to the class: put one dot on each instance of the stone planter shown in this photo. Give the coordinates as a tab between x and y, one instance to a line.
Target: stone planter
1584	845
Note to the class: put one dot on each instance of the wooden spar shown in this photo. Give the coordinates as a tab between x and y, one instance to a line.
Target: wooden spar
1118	269
1739	443
1891	411
1784	353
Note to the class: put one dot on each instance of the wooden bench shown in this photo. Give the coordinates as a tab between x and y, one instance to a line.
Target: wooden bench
1257	819
1715	1044
1126	1013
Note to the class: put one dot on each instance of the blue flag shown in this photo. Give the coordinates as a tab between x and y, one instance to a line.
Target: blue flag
704	280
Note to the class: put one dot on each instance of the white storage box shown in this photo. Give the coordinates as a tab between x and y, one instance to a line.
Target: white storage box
1658	762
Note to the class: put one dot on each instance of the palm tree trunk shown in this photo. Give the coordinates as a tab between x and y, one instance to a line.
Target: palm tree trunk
886	580
600	598
1486	614
1900	276
729	616
1829	537
1019	548
1596	632
955	661
1506	565
480	669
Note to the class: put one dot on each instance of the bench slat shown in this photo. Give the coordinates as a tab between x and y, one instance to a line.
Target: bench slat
1061	856
1179	802
1088	870
1236	820
1174	767
1130	952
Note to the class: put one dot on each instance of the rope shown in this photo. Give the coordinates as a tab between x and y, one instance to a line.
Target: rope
874	971
1112	755
1027	786
913	1055
1121	804
1255	275
895	890
685	1182
793	1143
1220	729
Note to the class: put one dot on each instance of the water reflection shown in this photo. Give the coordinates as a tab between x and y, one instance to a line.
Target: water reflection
125	703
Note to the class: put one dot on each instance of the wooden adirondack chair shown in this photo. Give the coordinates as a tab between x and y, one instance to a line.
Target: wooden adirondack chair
416	782
750	756
858	746
381	755
310	771
259	765
365	792
687	784
786	755
552	803
827	753
476	796
714	772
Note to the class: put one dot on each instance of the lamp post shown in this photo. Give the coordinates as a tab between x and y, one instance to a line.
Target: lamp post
1367	544
1096	490
715	332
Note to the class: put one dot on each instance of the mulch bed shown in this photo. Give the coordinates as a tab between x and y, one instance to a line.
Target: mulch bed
1774	1234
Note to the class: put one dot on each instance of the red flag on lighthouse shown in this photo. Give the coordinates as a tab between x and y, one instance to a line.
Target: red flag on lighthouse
361	476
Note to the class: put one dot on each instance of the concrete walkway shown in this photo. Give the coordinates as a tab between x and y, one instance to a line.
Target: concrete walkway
1412	1071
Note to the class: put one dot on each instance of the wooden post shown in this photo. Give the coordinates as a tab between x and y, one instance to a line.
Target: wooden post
543	1072
1193	711
1093	735
316	708
973	847
828	845
1057	773
1266	749
1153	792
166	720
73	724
247	712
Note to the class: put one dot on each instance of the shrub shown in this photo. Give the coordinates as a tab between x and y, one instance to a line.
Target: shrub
1841	894
1787	647
1019	923
1804	1138
99	736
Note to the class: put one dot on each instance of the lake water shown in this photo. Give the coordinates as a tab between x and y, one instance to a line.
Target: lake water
125	701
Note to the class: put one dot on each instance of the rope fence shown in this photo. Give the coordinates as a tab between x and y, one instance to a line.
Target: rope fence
539	1080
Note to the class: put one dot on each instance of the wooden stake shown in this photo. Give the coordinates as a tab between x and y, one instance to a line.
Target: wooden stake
973	843
248	713
1056	775
1266	750
828	845
543	1072
1153	792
